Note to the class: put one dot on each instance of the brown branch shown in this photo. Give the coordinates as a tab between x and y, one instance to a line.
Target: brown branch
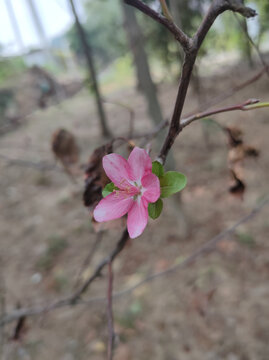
242	107
201	251
111	333
40	165
191	47
217	7
97	273
88	259
179	35
175	127
2	306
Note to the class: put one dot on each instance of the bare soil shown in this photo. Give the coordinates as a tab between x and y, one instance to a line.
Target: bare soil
216	309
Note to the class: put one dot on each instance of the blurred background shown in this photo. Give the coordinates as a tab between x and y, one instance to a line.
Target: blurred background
73	75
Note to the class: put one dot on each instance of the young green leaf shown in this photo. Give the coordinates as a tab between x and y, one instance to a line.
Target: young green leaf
155	209
108	189
171	183
157	168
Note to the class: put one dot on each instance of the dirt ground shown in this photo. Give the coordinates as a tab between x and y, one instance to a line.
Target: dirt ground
216	309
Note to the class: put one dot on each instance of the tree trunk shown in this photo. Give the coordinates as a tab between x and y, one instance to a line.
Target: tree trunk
136	44
246	43
15	25
92	72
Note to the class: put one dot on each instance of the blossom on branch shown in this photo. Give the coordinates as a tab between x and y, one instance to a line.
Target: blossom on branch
135	187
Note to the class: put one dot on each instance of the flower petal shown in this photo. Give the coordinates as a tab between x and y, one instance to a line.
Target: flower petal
113	206
140	163
118	170
137	218
151	185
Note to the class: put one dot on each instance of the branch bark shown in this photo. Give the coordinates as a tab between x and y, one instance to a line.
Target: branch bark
111	334
90	62
179	35
191	48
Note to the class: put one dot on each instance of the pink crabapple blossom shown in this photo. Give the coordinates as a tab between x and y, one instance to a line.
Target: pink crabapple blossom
137	187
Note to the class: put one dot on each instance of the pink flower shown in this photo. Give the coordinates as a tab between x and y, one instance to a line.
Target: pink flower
137	185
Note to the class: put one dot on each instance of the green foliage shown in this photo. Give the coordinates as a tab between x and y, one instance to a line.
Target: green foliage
10	67
155	209
104	30
108	189
263	11
157	168
171	183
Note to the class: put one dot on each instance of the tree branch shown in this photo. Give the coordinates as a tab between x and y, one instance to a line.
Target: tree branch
111	334
119	247
217	7
180	36
250	104
201	251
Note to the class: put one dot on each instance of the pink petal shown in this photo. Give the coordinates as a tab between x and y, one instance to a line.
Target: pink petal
151	184
137	218
113	206
140	163
118	170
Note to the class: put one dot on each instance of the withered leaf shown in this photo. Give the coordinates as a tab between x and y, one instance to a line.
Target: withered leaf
95	176
238	187
234	135
64	147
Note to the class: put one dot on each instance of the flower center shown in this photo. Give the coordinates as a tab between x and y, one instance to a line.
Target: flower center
140	191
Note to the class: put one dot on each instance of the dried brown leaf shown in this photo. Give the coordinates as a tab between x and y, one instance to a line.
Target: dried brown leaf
64	147
95	176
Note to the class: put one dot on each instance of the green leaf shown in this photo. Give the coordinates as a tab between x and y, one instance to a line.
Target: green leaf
108	189
157	168
155	209
171	183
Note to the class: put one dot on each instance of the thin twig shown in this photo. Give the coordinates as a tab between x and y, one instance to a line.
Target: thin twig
129	109
217	7
88	259
250	104
119	247
254	45
37	165
180	36
201	251
228	93
2	306
111	333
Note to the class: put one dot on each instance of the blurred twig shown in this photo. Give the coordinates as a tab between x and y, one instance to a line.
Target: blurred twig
38	165
229	92
111	333
2	306
129	109
69	301
170	25
250	104
87	261
254	45
97	272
